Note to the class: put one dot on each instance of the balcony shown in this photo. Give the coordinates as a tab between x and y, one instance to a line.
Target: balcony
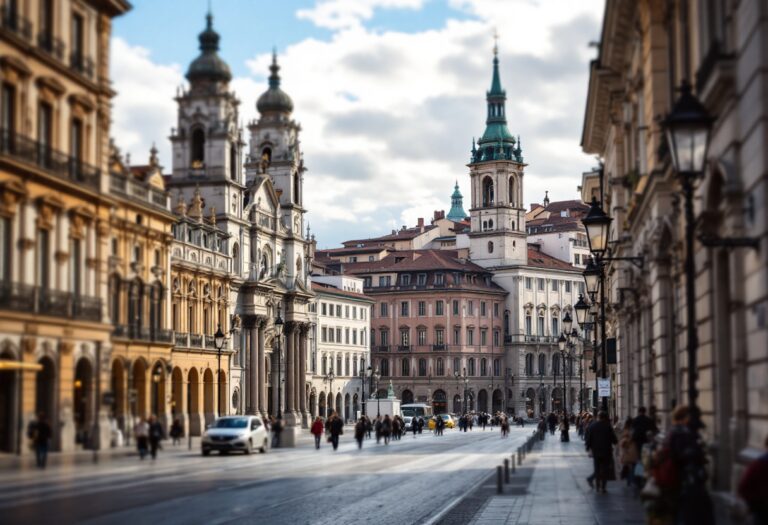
137	333
12	22
521	338
23	149
33	299
121	185
196	340
51	45
80	64
439	348
381	348
403	348
210	342
182	339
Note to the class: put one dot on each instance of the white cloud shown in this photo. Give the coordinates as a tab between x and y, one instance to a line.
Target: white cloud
388	117
343	14
144	111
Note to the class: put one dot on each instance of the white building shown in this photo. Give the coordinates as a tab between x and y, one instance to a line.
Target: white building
556	227
343	352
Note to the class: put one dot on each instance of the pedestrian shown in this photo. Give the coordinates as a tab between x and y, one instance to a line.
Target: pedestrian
599	444
317	431
141	433
542	428
641	425
414	426
552	421
40	432
753	487
504	426
277	428
360	432
336	429
386	428
156	434
377	428
395	428
421	424
176	431
483	420
629	453
564	426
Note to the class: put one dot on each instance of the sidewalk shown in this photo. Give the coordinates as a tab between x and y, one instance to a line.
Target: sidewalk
559	494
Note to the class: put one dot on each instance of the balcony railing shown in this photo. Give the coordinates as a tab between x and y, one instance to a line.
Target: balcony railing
50	44
381	348
13	22
122	185
210	342
164	336
40	155
403	348
196	340
33	299
81	64
439	348
137	333
182	339
521	338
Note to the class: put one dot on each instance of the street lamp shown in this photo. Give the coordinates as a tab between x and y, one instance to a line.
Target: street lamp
598	226
567	323
218	341
687	129
581	308
376	376
328	378
279	324
363	376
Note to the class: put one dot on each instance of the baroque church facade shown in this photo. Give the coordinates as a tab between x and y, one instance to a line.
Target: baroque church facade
252	191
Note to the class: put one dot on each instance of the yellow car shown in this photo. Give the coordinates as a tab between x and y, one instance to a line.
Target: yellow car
446	418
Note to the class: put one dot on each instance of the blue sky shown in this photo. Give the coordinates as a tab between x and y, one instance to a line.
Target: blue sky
389	93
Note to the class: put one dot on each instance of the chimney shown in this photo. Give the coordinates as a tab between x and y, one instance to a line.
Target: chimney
421	224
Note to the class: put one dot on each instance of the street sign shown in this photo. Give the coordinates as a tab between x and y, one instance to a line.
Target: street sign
603	387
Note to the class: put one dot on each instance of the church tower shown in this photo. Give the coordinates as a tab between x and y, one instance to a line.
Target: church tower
497	235
457	213
207	142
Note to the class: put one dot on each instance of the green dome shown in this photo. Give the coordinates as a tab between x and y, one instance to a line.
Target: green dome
209	65
274	99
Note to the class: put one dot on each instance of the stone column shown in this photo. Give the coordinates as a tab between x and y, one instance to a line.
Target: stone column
298	379
290	363
305	415
253	369
261	387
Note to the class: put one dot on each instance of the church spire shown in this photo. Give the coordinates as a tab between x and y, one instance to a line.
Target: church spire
457	212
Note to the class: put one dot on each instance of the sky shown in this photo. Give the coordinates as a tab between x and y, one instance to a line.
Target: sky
389	93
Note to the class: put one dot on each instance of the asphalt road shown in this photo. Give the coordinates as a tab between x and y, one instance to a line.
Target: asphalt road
407	481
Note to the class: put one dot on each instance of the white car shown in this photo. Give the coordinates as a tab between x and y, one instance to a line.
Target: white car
238	433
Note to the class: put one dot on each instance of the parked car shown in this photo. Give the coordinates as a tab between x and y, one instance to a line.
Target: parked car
235	433
449	423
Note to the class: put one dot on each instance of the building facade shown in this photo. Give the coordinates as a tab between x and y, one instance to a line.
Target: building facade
342	353
256	197
556	227
718	47
56	219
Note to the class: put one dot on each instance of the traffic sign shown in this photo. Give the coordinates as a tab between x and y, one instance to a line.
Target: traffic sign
604	387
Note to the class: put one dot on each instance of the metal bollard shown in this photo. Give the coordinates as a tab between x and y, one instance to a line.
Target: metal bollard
513	463
506	470
499	488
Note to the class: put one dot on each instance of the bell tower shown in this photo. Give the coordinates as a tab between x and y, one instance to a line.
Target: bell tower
496	168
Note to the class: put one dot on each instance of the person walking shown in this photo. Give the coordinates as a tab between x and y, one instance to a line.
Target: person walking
156	434
317	431
141	433
386	428
414	426
753	487
641	425
40	433
360	432
337	429
377	428
629	454
176	431
564	427
552	421
277	428
600	441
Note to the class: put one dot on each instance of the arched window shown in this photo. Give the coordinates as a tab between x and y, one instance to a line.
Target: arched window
233	161
483	367
512	192
440	367
197	160
497	367
529	364
488	192
114	294
155	307
456	365
542	364
236	259
471	366
296	188
135	303
422	367
556	364
490	246
384	368
406	367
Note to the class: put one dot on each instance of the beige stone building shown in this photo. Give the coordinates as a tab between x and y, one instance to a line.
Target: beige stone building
56	219
647	49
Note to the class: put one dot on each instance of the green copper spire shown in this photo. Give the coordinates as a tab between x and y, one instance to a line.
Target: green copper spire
497	143
457	212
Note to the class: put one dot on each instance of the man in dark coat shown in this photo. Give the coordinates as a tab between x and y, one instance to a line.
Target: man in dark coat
336	428
641	425
600	440
40	433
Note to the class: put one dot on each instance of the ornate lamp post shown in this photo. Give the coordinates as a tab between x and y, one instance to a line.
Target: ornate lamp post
279	324
688	129
376	377
328	378
363	376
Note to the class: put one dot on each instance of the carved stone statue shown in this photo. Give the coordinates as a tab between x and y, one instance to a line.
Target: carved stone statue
390	391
